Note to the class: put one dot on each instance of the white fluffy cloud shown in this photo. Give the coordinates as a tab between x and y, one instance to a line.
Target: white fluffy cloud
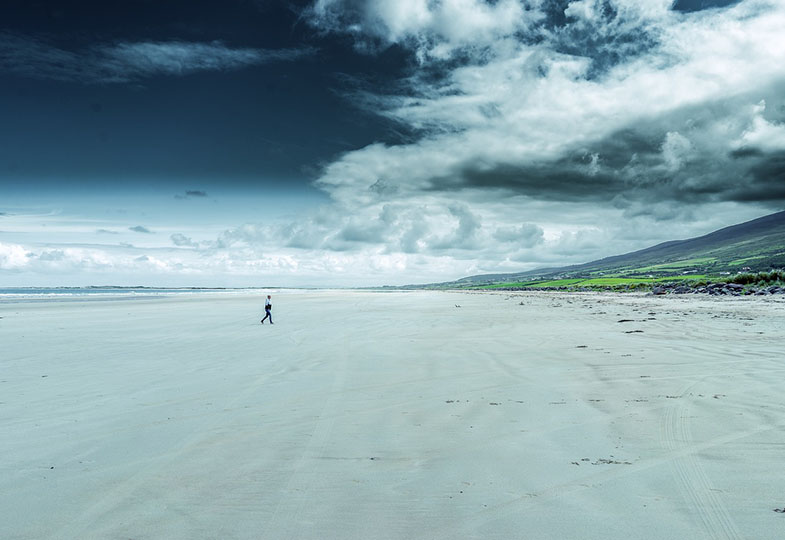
433	29
762	134
12	256
675	150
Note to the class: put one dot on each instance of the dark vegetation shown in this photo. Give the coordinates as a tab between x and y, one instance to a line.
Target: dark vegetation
761	278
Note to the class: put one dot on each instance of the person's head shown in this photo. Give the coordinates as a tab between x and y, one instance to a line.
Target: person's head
268	296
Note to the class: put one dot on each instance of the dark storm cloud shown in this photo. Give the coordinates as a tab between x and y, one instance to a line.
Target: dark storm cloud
128	61
683	157
680	158
767	176
706	176
698	5
561	180
189	194
747	152
140	229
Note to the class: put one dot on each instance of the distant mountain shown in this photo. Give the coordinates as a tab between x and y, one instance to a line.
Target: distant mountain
753	246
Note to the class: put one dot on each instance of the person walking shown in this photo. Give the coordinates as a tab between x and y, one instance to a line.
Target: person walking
268	306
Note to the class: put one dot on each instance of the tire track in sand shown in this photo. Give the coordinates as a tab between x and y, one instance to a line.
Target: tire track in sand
676	437
297	494
81	525
512	508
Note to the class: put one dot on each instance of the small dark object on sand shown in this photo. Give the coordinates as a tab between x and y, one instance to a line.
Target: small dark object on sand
780	510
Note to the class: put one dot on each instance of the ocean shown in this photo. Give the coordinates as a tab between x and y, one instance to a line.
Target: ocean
114	292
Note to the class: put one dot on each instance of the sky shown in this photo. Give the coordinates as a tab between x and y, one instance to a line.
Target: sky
338	143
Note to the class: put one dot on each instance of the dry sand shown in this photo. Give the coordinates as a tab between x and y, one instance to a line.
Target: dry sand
393	415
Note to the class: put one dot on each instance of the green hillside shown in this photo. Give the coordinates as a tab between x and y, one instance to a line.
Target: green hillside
754	246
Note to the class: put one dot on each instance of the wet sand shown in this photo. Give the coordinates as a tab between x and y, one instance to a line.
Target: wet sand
400	415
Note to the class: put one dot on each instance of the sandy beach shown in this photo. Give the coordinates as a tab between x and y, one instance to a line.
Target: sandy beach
399	415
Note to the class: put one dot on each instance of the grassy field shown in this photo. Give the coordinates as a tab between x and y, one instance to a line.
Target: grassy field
750	280
676	265
739	262
598	282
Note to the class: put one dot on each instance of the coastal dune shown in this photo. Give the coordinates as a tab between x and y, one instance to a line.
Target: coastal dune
392	415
